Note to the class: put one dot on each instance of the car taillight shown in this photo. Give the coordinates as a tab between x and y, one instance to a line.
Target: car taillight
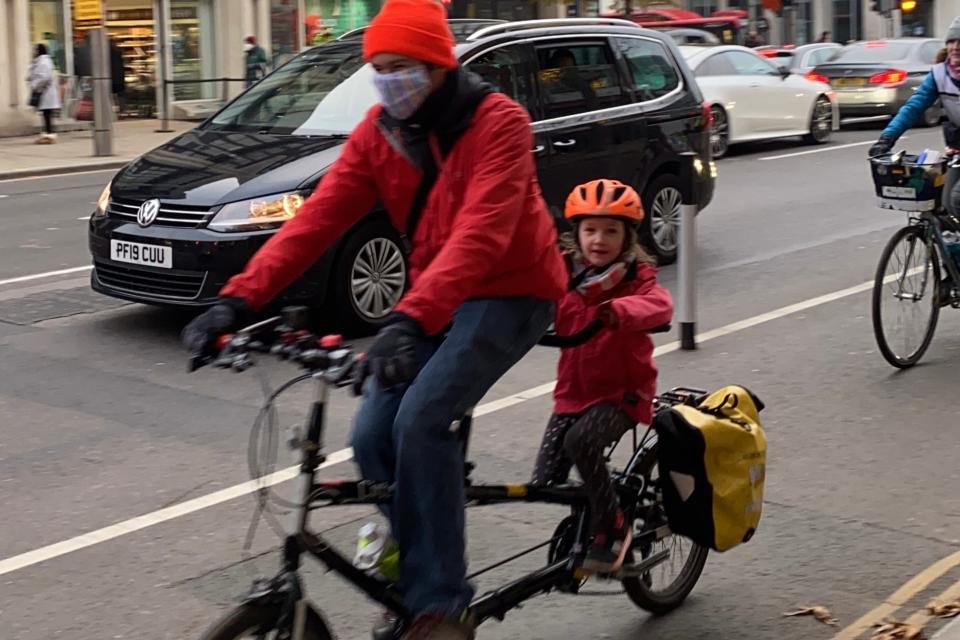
817	77
768	53
707	115
889	78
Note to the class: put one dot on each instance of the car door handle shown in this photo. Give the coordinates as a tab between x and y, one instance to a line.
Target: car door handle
538	149
565	143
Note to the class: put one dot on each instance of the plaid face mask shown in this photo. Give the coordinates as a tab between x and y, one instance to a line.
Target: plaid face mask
402	92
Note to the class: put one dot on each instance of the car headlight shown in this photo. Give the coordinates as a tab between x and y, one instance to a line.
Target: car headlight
102	202
260	213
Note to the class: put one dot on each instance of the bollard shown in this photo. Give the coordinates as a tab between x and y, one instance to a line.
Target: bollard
102	105
687	251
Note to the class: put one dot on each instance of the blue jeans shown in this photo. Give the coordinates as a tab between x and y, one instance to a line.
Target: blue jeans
402	435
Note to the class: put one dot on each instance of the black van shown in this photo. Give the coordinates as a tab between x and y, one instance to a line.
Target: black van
176	223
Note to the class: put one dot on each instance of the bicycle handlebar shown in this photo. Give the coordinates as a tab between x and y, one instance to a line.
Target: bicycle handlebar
585	334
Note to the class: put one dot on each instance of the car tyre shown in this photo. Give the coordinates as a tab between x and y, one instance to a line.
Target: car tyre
369	277
719	132
821	121
660	229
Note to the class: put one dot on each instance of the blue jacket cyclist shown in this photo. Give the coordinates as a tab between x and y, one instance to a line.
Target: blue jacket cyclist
943	83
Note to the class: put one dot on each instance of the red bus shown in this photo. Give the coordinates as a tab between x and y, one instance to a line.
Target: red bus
728	25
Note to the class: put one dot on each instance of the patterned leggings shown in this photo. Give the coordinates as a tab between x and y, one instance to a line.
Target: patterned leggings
581	439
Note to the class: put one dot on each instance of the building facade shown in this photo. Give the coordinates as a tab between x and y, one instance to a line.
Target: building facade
203	43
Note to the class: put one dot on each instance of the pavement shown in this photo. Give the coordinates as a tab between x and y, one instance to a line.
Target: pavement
73	152
118	471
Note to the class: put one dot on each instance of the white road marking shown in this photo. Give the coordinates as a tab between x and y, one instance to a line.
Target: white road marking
47	274
138	523
834	148
84	217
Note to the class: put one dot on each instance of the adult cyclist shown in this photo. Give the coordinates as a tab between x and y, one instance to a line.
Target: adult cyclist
942	82
485	273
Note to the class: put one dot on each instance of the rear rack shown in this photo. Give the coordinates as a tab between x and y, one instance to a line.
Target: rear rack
507	27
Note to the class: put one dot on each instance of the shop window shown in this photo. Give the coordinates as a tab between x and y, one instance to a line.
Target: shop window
284	30
192	50
329	19
46	26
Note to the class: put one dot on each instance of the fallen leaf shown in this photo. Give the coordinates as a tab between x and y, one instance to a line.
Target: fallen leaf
891	629
948	610
820	613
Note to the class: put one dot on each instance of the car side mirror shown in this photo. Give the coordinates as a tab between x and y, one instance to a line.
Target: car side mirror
784	73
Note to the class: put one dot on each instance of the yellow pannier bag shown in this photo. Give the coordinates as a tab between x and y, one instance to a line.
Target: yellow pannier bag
712	461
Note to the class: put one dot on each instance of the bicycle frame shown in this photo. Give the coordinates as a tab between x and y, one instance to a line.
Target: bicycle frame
933	224
315	494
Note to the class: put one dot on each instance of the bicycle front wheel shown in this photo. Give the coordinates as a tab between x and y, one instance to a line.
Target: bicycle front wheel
259	622
906	297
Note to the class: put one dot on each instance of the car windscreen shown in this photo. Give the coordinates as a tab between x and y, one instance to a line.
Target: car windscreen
873	52
324	91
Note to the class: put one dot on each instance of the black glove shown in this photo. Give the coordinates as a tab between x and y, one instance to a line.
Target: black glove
393	355
951	135
199	334
880	147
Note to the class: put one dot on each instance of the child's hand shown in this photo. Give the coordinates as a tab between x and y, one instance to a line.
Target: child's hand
608	315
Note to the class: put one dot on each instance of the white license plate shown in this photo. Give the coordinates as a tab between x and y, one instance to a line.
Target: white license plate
150	255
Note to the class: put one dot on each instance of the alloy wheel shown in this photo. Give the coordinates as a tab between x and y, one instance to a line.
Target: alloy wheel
377	278
665	218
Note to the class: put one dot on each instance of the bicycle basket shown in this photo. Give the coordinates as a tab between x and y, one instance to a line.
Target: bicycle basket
906	185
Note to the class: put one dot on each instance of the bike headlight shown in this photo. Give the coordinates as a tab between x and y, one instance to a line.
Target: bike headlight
102	202
260	213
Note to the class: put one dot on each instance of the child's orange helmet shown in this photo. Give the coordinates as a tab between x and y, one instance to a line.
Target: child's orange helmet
608	198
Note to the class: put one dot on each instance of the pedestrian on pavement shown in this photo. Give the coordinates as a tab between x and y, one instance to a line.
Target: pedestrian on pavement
255	61
604	390
44	92
943	83
443	148
825	37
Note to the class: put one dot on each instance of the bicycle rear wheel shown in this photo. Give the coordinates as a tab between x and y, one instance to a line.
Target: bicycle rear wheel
906	297
259	622
666	585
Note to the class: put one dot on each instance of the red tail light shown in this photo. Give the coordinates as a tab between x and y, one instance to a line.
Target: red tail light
768	53
707	115
889	78
817	77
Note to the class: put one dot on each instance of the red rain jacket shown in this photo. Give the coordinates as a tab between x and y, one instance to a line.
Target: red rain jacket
616	365
485	231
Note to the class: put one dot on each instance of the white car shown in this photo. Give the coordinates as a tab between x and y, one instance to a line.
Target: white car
750	98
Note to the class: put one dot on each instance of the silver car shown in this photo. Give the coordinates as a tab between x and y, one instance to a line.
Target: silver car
801	59
875	78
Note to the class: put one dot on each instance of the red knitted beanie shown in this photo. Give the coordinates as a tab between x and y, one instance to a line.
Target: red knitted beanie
414	28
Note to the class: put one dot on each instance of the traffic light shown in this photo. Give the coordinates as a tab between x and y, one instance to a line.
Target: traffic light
908	5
